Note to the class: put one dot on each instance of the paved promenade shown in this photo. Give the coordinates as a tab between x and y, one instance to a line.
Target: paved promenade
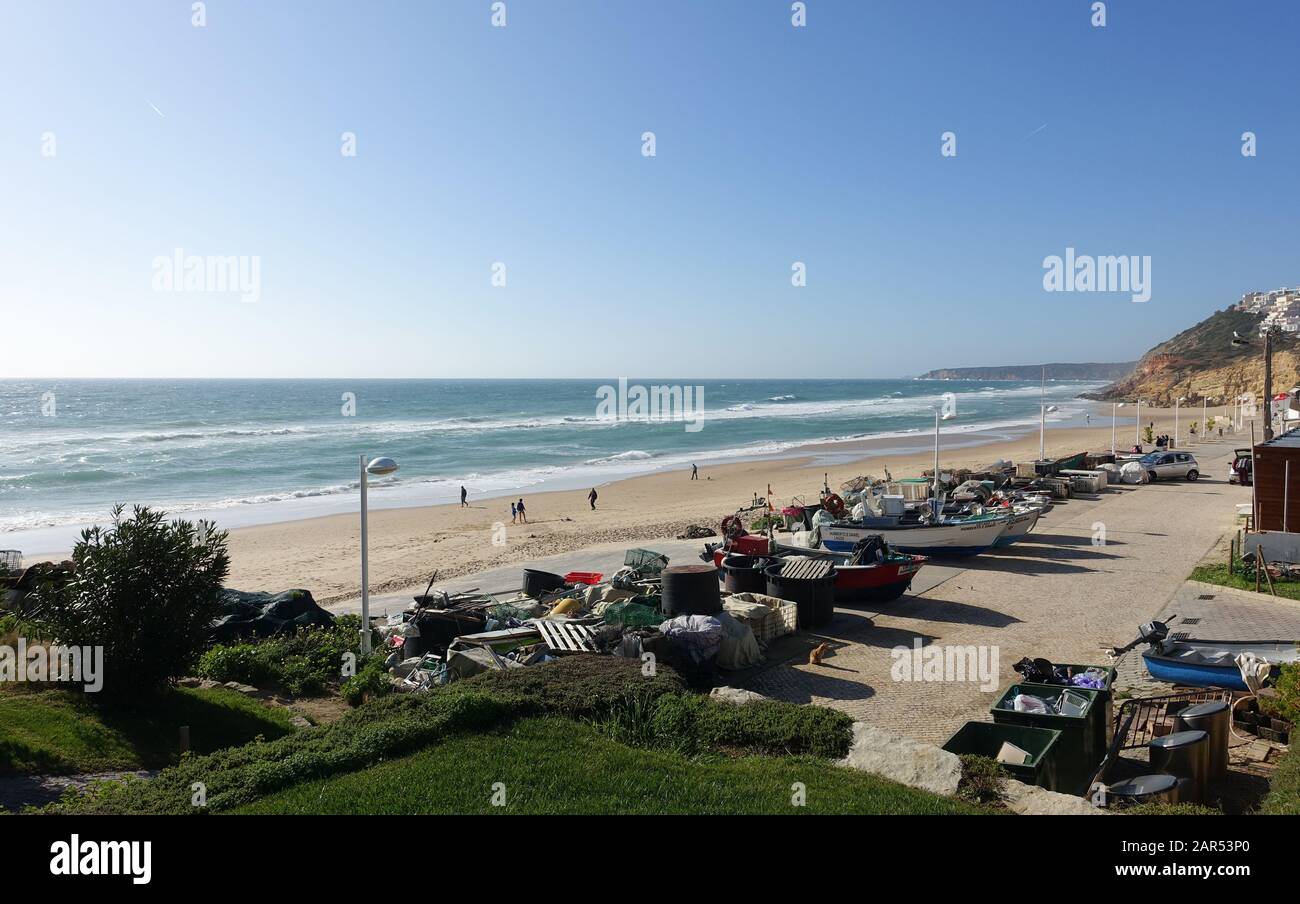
1055	595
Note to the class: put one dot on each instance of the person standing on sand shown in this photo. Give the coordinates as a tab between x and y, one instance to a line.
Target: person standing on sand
523	515
463	494
695	472
591	497
514	513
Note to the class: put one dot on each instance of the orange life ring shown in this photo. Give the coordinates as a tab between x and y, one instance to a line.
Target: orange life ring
833	504
732	526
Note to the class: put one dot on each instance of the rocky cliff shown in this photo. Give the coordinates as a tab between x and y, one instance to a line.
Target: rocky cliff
1202	362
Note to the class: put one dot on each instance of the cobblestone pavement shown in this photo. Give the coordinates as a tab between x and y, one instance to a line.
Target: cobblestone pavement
1055	594
1212	612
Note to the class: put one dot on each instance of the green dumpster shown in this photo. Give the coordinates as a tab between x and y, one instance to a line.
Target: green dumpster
1080	748
1104	710
987	738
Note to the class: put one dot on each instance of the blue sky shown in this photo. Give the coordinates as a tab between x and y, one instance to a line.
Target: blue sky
522	145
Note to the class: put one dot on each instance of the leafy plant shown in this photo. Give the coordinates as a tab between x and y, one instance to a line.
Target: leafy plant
1148	435
304	663
146	590
981	779
369	683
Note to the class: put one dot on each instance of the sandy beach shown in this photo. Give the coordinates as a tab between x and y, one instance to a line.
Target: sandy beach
407	545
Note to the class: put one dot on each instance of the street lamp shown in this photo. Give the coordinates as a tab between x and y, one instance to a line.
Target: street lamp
1137	428
1177	401
379	467
1113	407
1267	335
939	415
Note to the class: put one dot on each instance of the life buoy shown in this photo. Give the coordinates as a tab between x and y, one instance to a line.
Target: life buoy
833	504
732	526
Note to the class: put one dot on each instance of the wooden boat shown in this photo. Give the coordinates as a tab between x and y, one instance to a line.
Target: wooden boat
876	582
961	537
1211	663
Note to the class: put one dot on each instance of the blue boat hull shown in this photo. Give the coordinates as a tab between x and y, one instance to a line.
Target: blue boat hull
1227	677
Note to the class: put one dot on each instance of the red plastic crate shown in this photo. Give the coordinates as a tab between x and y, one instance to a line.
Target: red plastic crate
583	577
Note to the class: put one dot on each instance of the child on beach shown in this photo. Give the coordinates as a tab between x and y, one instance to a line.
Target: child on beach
514	513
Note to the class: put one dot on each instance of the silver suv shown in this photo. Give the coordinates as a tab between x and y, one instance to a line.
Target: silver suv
1169	465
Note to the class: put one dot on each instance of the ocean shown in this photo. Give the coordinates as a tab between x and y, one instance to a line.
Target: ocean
258	451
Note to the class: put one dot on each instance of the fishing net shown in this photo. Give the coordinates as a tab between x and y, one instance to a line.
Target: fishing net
646	562
633	614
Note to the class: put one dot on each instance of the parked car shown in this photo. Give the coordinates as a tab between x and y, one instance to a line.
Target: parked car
1170	465
1242	467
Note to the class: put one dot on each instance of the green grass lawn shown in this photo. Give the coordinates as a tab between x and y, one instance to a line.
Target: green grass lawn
1218	574
555	765
60	731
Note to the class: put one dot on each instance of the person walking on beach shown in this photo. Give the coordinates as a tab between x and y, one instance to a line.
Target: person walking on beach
695	472
514	513
523	515
463	495
591	497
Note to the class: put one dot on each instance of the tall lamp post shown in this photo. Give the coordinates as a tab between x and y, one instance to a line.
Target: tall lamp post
1268	335
1178	401
379	467
1137	429
1113	407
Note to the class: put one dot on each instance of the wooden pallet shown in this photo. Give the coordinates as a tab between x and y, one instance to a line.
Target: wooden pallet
806	568
563	637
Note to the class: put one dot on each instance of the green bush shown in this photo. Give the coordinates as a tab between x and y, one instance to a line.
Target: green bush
692	724
1284	789
576	686
146	590
371	682
303	663
981	779
1170	810
1286	705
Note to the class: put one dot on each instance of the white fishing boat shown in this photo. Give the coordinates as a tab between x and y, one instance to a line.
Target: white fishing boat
964	537
1020	522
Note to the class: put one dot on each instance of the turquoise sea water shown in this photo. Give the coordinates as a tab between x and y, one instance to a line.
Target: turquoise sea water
268	450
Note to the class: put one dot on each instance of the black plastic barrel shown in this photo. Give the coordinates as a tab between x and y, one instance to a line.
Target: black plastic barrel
537	582
1213	719
814	597
1147	789
690	590
1185	754
744	574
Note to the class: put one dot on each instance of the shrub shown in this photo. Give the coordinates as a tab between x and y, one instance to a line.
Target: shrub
1170	810
303	663
692	724
981	779
575	686
1284	788
1286	705
146	590
369	683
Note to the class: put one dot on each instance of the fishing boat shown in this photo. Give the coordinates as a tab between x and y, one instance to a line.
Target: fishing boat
860	582
1211	663
956	537
1020	522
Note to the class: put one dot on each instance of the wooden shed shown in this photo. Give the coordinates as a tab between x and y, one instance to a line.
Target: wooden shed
1277	482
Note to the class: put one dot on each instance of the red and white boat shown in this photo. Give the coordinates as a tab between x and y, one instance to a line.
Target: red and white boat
877	582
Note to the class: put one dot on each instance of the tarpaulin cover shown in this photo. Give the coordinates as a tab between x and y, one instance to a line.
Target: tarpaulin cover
266	614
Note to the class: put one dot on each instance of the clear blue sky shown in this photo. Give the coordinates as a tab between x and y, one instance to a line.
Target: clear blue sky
523	145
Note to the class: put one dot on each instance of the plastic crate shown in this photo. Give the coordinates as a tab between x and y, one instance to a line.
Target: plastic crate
986	738
1079	749
11	559
583	577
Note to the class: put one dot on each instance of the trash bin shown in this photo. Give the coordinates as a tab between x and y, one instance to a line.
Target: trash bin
1212	718
1079	750
987	738
1103	712
1146	789
1185	754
